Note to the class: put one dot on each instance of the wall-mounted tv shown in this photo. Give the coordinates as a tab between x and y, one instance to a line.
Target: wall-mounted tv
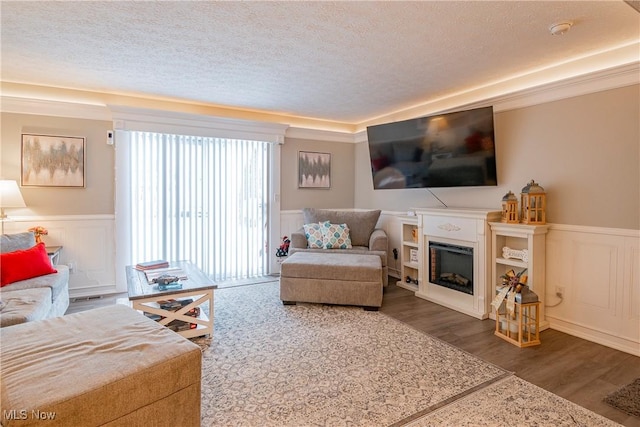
445	150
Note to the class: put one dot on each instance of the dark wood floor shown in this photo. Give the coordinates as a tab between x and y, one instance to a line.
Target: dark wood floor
578	370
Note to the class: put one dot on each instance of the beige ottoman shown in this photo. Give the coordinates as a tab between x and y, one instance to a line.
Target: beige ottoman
107	366
332	278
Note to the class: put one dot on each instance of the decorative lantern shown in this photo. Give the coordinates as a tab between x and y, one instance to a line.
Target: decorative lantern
533	204
510	208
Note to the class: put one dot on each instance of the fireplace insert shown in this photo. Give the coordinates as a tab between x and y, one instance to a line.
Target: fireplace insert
451	266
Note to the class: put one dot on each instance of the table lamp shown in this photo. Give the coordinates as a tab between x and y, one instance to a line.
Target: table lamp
10	197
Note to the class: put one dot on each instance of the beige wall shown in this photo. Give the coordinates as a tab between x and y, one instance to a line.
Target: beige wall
340	195
585	152
95	198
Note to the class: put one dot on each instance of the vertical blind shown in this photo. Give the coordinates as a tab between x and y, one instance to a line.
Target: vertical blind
202	200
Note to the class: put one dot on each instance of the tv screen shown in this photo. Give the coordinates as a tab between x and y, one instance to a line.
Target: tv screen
445	150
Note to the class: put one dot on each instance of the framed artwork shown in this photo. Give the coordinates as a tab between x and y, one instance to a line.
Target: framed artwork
314	170
52	161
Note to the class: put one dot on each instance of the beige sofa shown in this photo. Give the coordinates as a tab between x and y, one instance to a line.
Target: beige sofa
365	237
108	366
38	298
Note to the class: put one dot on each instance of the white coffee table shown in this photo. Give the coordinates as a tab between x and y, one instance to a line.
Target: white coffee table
145	297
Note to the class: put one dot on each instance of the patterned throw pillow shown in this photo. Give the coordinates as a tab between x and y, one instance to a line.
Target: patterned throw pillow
314	235
335	236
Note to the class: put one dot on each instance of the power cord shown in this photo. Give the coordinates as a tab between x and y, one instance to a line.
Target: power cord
395	257
559	295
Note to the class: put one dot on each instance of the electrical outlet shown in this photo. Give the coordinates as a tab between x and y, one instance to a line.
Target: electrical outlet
395	253
72	267
560	291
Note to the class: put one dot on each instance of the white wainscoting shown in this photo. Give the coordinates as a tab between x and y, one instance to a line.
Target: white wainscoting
599	269
88	243
290	221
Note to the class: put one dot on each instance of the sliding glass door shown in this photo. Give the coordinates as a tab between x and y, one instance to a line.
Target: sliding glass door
199	199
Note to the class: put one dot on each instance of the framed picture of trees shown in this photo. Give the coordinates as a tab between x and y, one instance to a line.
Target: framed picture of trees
314	170
52	161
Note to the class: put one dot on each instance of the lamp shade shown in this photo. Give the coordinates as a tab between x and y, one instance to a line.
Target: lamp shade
10	196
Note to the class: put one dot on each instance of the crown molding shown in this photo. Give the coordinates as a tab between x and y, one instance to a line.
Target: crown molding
625	75
320	135
42	107
613	68
142	119
611	78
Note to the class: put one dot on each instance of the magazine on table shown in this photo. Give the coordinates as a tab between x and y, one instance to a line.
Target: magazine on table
152	265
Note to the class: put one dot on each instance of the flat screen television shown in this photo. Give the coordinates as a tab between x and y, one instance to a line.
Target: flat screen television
446	150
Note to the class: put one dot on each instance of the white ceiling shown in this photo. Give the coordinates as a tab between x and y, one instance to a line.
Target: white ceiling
344	62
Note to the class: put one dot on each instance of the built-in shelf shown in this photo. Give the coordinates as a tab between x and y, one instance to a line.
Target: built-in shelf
409	233
512	262
520	238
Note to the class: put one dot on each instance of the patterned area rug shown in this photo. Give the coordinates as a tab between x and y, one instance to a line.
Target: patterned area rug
512	402
626	399
315	365
309	364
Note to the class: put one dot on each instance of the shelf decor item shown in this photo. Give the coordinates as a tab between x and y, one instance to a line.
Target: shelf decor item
523	329
517	311
515	280
533	203
512	284
521	254
38	232
283	250
510	208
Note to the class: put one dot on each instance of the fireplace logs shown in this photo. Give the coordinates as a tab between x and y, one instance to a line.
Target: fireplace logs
455	278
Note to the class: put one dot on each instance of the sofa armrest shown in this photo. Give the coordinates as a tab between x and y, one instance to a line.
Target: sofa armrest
379	240
298	239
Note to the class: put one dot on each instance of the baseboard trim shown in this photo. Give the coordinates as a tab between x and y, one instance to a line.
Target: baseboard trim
93	291
598	337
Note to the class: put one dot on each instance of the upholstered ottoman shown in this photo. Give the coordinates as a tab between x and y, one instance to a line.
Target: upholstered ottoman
332	278
106	366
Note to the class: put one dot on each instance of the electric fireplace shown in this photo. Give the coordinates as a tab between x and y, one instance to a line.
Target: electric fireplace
451	266
455	258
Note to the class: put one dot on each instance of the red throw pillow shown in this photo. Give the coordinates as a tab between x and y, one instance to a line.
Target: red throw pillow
25	264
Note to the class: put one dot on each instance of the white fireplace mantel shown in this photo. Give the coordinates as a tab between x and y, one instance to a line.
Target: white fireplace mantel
466	227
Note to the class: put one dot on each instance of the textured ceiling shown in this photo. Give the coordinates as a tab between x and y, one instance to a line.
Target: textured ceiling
338	61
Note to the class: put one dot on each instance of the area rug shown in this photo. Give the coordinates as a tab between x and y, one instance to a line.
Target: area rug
626	399
315	365
512	402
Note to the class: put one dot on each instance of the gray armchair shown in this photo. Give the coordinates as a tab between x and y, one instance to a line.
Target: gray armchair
365	237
